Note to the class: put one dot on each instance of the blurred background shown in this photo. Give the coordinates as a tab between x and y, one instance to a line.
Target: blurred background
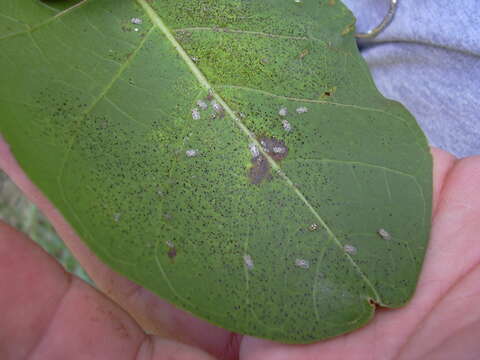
17	211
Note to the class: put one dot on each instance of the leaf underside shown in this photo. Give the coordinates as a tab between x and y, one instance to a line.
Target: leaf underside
233	156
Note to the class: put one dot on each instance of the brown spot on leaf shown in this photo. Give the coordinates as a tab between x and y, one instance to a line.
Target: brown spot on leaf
348	29
172	253
303	54
260	169
373	303
273	147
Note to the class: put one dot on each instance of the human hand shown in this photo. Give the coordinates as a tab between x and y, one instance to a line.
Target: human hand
48	314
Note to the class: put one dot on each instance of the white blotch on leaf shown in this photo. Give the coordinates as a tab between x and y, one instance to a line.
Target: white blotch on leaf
170	243
202	104
384	234
302	110
279	150
302	263
286	126
247	259
313	227
216	106
283	111
136	21
135	29
254	150
350	249
191	152
195	114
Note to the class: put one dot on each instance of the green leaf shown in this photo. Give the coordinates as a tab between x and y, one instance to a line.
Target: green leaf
233	156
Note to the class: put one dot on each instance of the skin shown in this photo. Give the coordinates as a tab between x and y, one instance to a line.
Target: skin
49	314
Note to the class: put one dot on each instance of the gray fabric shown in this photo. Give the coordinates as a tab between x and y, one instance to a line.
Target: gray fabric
428	58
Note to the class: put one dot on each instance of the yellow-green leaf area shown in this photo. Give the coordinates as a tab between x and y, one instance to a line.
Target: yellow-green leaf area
232	156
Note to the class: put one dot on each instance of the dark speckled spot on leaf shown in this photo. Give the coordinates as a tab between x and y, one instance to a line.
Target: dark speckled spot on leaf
260	169
172	253
273	147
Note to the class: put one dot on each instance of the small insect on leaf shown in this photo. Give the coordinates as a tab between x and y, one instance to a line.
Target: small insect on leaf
384	234
191	152
286	126
350	249
202	104
313	227
283	111
303	54
302	110
247	259
195	114
302	263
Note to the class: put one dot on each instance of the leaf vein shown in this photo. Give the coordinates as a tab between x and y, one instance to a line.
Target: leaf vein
246	32
156	20
359	163
46	22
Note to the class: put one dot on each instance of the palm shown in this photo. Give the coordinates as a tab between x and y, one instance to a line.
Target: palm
440	322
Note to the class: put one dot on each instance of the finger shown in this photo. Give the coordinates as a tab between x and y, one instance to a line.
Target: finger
452	270
48	314
152	313
442	164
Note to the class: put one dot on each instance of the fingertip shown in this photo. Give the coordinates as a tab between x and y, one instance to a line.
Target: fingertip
443	163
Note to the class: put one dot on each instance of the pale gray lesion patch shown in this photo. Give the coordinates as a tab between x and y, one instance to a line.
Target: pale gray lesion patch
116	217
218	109
279	149
202	104
384	234
350	249
216	106
196	114
136	21
248	261
287	126
302	110
254	150
191	153
283	111
302	263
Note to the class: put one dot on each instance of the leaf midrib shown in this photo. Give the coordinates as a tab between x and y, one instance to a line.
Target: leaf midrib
157	21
